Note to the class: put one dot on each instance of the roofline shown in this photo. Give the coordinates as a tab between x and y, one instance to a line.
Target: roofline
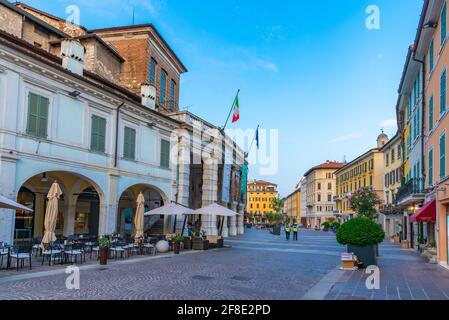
56	62
318	168
291	194
38	21
144	25
262	182
357	159
19	3
94	36
391	141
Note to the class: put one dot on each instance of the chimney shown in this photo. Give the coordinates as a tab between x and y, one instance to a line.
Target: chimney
72	52
148	92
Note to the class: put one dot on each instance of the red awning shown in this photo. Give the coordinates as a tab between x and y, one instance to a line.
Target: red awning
428	213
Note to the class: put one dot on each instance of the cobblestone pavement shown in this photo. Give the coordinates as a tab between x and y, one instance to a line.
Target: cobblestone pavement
257	266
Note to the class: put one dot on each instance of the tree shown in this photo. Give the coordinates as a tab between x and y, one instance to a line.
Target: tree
278	205
364	202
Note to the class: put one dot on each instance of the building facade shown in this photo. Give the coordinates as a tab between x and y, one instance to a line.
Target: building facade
366	171
321	191
292	206
69	117
391	214
260	198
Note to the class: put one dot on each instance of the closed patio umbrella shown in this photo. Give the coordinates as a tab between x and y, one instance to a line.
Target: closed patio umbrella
138	219
51	213
6	203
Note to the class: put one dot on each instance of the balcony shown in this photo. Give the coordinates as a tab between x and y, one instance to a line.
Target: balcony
412	192
389	209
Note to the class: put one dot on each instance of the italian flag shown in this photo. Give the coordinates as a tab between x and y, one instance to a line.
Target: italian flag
236	115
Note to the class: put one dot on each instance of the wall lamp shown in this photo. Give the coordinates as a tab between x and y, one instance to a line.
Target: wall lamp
75	94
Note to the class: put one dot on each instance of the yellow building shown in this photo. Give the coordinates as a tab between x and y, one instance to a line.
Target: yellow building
391	214
367	171
260	197
292	206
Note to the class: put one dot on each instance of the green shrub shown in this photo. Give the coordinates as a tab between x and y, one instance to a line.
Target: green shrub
336	224
104	242
326	225
360	231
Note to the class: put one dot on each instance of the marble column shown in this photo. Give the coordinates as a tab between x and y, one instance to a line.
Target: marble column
69	214
225	232
240	225
210	181
233	223
109	207
183	177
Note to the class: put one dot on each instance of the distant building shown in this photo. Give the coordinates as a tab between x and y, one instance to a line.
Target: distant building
321	191
292	206
260	197
366	171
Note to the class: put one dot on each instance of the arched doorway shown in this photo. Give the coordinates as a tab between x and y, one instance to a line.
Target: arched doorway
79	205
127	208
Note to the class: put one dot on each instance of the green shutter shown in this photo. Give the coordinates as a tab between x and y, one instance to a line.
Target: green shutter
443	93
443	24
431	55
98	134
165	154
443	156
431	113
430	167
37	115
129	147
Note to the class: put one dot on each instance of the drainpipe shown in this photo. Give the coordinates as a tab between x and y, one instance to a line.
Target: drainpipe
116	134
423	116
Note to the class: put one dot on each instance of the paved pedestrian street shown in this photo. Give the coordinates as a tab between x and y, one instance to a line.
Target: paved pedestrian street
256	266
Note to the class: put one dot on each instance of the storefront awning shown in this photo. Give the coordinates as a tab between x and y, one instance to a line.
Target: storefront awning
428	213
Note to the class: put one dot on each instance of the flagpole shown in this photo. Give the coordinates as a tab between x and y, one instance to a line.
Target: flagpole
230	111
251	146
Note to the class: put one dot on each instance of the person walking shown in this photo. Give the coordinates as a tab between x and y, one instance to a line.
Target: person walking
295	232
287	231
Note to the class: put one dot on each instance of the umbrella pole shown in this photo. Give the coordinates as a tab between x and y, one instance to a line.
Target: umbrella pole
174	225
184	225
221	225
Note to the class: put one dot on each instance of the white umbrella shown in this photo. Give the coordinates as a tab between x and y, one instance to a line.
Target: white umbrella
10	204
172	209
215	210
138	219
51	213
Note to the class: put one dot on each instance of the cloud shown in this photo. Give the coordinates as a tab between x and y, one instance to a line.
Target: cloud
348	137
266	65
389	124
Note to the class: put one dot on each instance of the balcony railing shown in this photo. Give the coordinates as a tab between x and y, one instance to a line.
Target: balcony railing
414	187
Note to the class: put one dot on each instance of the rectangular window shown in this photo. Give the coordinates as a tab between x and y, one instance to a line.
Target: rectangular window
163	88
129	147
443	93
431	167
172	95
415	126
98	134
165	154
431	113
431	55
152	75
37	121
443	24
443	156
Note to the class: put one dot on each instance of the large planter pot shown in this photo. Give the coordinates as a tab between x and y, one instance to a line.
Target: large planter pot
104	252
187	243
277	231
367	254
176	247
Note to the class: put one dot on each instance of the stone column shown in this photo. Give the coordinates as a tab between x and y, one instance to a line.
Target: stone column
183	163
240	226
109	207
69	214
425	230
233	223
210	180
225	233
8	190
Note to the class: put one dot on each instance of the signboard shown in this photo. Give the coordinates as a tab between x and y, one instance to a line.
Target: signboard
226	186
244	180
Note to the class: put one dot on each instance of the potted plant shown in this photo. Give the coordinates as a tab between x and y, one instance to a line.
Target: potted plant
104	245
177	239
326	226
361	235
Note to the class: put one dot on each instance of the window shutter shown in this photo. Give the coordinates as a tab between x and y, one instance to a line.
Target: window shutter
43	116
101	134
32	114
94	134
443	156
443	93
443	24
165	154
129	146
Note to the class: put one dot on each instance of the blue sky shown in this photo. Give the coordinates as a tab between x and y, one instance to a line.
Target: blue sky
310	69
